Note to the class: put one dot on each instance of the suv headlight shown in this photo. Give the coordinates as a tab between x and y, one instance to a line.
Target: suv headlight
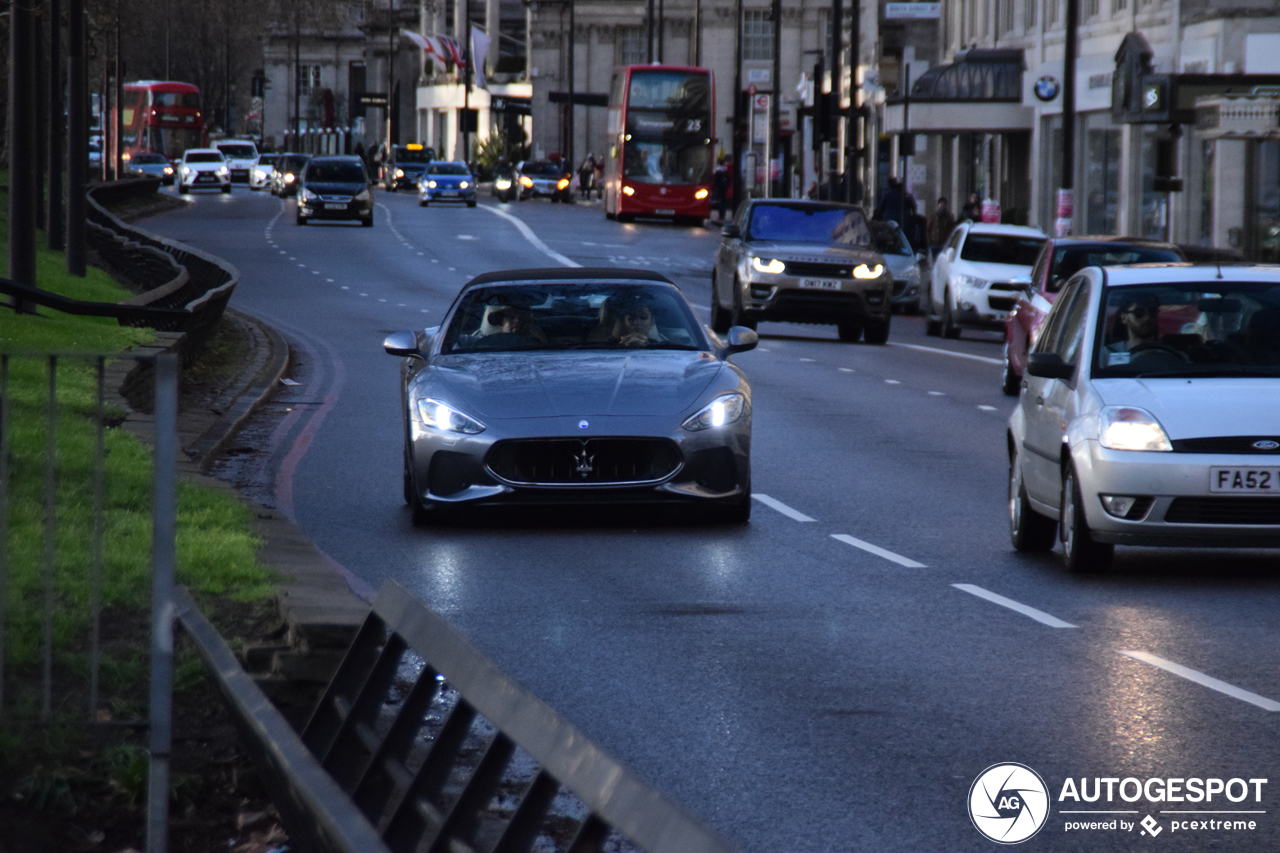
867	271
431	184
442	416
308	195
223	171
1130	428
773	265
719	412
363	195
399	173
973	281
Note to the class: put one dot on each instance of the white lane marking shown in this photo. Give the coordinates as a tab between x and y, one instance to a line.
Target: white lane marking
1205	680
981	358
987	408
531	237
845	369
892	382
329	280
808	359
878	551
1038	615
345	287
937	393
465	237
779	506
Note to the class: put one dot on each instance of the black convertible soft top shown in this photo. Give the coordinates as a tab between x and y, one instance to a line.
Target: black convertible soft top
568	274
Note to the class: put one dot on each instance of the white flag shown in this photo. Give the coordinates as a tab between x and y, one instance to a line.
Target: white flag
429	45
479	49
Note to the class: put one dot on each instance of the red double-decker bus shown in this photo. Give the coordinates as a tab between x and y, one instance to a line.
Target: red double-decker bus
659	161
161	116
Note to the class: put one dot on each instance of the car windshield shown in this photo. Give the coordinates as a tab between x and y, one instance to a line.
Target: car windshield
1001	249
1215	328
268	159
449	169
587	315
888	239
844	226
240	152
1069	260
414	154
205	157
295	164
542	170
149	158
340	172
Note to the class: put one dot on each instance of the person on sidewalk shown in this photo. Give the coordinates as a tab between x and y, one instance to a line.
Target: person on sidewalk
720	182
587	176
940	226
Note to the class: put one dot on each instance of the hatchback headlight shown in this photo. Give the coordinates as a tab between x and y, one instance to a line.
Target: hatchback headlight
866	271
168	170
462	185
773	265
399	173
1130	428
442	416
431	184
719	412
290	178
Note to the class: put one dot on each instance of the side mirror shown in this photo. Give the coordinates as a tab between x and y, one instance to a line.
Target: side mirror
741	339
733	232
1049	365
402	343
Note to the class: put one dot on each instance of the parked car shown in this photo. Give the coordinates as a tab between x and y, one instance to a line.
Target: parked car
906	266
801	262
506	183
543	178
1151	415
573	387
405	166
260	175
284	180
149	164
447	180
241	156
203	168
1060	258
335	187
977	276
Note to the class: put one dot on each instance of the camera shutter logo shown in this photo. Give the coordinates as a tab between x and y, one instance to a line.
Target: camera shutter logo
1008	803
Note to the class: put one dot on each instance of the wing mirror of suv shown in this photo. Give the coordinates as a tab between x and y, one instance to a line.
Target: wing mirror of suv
733	232
402	343
741	339
1049	365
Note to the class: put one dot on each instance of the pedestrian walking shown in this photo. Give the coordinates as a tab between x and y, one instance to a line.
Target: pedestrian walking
721	187
587	176
972	210
913	225
940	226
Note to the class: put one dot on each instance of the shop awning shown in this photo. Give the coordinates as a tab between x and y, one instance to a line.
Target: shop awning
980	92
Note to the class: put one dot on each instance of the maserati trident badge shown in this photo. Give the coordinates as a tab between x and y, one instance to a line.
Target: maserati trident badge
585	463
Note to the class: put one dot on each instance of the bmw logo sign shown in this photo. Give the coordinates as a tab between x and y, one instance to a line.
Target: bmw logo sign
1266	444
1046	88
583	424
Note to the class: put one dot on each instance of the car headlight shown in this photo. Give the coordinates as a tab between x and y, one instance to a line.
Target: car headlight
186	170
168	170
1130	428
363	195
972	281
431	184
399	173
526	181
259	174
462	185
701	194
563	183
288	179
502	184
442	416
308	195
223	171
628	191
865	271
719	412
773	265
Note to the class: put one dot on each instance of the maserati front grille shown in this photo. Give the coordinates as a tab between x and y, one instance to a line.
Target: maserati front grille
583	462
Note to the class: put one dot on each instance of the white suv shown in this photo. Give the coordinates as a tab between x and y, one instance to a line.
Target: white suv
978	275
203	168
242	156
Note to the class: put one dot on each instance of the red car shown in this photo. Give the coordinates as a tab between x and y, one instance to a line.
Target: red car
1060	259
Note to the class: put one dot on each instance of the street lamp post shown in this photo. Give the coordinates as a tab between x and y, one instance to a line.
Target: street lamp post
1066	193
77	138
853	152
775	105
737	112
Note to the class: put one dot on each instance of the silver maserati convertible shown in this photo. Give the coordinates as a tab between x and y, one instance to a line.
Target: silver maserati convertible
573	386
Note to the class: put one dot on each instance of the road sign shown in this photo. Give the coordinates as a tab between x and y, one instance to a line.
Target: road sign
762	102
373	99
751	90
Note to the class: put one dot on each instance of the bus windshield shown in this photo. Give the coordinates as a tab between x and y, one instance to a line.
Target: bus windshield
668	127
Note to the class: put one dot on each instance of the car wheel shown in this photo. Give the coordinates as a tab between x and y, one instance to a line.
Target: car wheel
949	327
1028	529
367	223
1081	553
300	219
849	332
422	202
182	188
932	326
739	316
227	188
471	204
876	331
1010	382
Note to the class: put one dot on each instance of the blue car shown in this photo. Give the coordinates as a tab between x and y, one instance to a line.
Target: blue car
447	180
149	164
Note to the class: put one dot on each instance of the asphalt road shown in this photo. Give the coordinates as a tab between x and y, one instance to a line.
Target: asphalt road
833	676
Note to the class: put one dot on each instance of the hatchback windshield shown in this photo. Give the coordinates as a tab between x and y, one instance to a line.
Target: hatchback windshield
1216	328
415	154
149	158
888	239
542	170
240	152
449	169
205	157
1001	249
335	172
268	159
809	224
573	316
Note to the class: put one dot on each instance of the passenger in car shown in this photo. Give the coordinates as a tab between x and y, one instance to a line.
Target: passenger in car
626	319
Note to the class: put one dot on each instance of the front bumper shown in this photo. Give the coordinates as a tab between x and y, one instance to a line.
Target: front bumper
320	209
451	469
985	307
206	180
783	298
1176	507
408	179
447	194
259	181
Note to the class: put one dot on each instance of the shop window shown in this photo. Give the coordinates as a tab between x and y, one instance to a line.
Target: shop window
1266	206
1102	181
1153	210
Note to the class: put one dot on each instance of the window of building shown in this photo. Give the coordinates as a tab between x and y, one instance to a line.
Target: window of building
631	46
1119	6
757	35
1006	17
1092	8
308	79
1028	13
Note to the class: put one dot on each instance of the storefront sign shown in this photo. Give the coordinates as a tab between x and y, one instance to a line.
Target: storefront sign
918	11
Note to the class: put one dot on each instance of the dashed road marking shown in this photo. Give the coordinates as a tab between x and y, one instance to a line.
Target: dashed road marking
1031	612
892	382
779	506
987	408
1205	680
937	393
878	551
845	369
951	353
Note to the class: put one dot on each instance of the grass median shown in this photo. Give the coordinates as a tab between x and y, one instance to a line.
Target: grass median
63	780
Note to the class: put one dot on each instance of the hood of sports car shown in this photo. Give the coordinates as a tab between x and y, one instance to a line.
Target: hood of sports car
573	384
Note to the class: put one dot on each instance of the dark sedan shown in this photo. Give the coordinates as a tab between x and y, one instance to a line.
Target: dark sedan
574	387
335	188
